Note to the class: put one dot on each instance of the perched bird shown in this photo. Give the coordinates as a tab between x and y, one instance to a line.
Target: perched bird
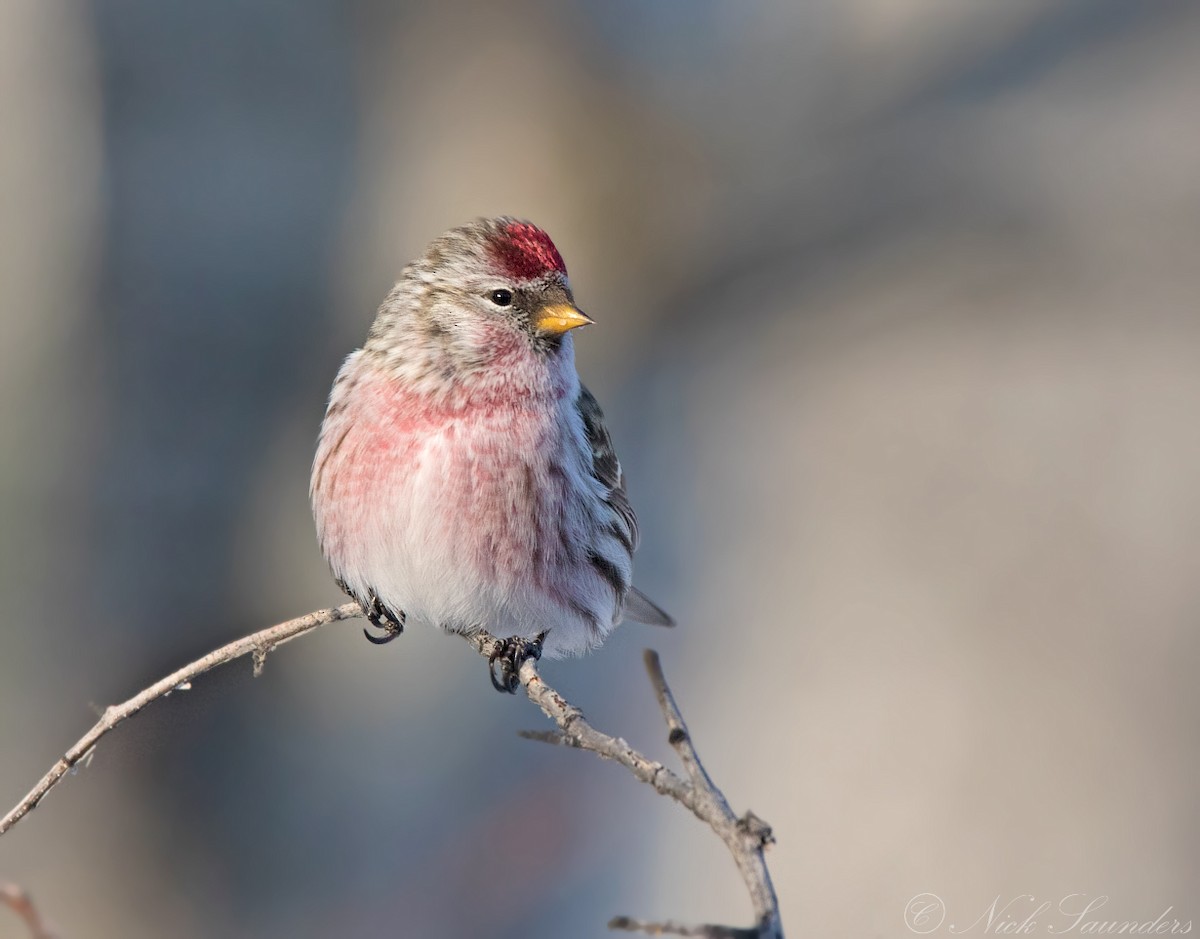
464	476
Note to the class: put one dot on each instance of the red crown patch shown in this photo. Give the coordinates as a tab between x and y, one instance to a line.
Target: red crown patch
527	253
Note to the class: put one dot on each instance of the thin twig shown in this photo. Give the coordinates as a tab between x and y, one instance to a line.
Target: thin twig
21	903
258	644
671	928
577	732
746	837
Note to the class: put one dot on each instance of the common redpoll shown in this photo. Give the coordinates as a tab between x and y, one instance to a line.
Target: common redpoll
464	476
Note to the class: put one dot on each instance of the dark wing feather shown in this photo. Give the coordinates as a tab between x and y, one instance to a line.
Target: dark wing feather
607	468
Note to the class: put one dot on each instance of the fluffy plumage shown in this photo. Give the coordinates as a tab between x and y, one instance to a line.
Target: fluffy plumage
463	474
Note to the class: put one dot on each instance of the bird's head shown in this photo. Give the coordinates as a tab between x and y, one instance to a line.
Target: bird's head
483	293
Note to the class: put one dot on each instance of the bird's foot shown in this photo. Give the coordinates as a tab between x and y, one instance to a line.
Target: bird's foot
381	617
504	664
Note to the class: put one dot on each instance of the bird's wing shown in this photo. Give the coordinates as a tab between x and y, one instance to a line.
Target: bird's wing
606	468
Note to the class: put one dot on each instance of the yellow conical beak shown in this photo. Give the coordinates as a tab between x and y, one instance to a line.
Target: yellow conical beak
560	318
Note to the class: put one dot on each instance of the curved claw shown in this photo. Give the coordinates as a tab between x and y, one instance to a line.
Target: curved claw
504	664
381	617
508	682
390	633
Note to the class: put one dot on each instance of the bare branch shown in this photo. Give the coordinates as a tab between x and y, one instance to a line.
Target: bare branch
577	732
678	736
258	644
22	904
745	837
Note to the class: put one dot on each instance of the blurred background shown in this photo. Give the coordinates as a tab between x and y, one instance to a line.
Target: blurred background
898	341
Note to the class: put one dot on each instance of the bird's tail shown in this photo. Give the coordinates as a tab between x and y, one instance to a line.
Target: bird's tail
639	607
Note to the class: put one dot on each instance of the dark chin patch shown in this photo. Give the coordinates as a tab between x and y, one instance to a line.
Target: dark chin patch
526	252
546	344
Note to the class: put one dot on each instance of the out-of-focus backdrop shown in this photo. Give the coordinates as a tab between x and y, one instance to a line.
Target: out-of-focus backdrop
898	339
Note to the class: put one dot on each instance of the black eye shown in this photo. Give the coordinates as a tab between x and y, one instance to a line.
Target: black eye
502	297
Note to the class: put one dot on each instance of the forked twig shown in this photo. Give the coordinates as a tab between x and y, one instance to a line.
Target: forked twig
745	837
